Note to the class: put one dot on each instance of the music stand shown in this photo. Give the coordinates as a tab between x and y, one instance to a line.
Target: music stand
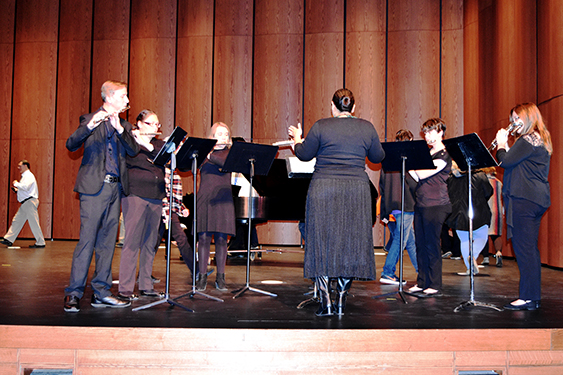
166	153
403	157
196	150
468	151
250	159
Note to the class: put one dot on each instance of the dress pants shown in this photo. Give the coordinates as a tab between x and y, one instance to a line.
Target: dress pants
26	212
428	223
141	217
526	217
99	219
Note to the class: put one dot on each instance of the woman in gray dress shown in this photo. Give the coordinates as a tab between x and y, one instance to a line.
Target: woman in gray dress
215	208
338	219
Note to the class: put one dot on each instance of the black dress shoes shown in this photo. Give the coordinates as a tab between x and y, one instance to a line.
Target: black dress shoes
34	246
532	305
4	241
152	293
128	297
109	301
72	304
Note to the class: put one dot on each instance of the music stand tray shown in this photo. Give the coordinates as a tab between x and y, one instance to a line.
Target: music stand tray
469	152
403	157
250	159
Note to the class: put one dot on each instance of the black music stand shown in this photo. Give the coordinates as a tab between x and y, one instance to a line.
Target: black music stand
468	151
196	150
166	153
250	159
403	157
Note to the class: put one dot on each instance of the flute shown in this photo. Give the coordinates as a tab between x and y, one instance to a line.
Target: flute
511	129
109	115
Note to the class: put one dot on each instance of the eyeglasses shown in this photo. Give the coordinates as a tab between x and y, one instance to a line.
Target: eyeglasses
157	124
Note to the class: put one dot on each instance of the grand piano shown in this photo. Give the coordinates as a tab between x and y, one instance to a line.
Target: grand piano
281	197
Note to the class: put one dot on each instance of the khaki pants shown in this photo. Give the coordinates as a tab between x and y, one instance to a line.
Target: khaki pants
26	212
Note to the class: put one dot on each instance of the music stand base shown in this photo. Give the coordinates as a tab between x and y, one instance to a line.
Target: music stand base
476	304
246	288
195	292
166	300
399	292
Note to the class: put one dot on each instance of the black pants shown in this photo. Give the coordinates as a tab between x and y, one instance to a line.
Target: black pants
428	223
526	217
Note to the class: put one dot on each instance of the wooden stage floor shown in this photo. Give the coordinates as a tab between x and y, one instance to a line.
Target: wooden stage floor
32	283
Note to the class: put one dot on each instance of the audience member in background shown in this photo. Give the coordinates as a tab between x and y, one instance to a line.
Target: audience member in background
28	196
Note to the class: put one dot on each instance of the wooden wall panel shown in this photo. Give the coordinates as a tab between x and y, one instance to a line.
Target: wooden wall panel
7	32
515	79
33	118
471	66
452	68
232	65
278	88
550	90
73	98
324	58
550	230
194	66
550	49
278	69
152	75
365	71
413	85
110	51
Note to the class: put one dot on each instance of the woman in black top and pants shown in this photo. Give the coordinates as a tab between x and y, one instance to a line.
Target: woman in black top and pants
430	211
526	196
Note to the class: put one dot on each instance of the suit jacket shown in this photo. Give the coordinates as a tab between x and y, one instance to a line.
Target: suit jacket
90	178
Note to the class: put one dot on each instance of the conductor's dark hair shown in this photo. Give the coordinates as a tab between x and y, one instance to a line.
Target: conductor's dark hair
343	99
26	163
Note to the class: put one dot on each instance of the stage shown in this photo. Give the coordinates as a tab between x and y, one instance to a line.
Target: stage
374	334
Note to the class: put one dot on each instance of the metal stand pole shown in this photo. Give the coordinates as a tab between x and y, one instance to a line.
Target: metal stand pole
194	291
472	301
167	298
400	292
247	286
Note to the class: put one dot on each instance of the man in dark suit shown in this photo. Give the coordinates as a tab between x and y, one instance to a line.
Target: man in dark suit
101	179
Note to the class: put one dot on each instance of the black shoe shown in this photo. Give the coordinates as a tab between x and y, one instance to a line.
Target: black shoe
201	282
152	293
220	282
429	295
499	261
109	301
72	304
34	246
128	297
532	305
4	241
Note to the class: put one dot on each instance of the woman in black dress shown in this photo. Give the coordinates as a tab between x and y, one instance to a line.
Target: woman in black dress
526	196
338	219
215	208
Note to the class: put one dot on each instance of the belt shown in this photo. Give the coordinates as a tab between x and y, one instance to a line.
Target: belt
111	179
25	200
